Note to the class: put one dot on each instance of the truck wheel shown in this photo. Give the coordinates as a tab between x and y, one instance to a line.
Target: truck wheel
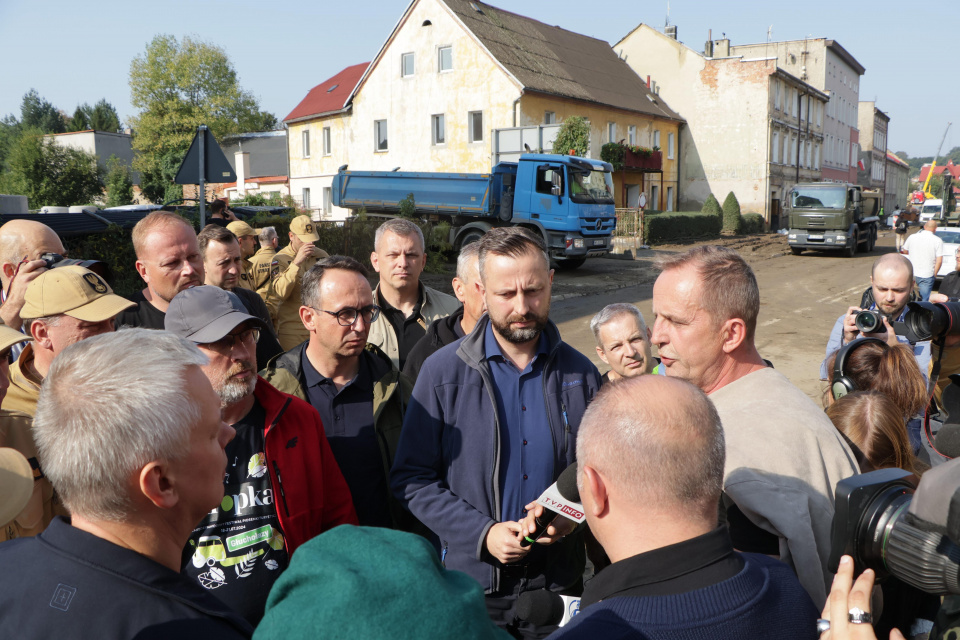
474	235
849	252
569	264
796	250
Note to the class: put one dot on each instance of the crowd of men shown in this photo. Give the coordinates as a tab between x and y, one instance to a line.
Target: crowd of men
195	450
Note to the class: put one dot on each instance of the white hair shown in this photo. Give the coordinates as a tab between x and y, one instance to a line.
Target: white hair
467	261
267	236
109	405
613	311
400	227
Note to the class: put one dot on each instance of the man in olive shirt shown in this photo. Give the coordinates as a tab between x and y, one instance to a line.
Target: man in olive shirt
247	237
408	306
260	269
287	268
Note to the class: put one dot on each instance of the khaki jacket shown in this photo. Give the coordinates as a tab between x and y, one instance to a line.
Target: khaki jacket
436	305
285	287
24	386
16	422
260	278
245	282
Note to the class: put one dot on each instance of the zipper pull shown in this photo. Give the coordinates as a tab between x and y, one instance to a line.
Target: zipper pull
563	412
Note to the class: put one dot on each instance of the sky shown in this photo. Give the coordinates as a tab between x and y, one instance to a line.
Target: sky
73	53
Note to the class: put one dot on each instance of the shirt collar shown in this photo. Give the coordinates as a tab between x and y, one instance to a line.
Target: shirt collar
492	348
314	378
660	565
386	306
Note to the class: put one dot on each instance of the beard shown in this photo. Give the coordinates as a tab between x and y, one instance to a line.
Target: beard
232	391
520	336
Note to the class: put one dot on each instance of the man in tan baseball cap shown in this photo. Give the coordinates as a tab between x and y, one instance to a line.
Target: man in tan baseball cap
247	237
25	507
61	306
286	270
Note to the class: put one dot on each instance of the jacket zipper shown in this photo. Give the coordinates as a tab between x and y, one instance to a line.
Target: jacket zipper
276	467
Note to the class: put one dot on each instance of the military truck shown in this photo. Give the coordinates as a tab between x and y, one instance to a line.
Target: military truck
833	216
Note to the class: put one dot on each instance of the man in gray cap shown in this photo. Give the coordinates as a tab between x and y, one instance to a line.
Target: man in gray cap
282	485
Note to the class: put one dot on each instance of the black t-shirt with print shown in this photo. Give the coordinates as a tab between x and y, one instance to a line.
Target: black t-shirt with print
238	551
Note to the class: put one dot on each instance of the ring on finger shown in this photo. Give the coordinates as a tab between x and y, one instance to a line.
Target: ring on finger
857	615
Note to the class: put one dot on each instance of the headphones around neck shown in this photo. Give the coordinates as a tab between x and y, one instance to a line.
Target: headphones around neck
842	385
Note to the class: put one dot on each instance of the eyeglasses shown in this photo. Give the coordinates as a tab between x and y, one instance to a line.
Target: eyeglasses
348	315
229	341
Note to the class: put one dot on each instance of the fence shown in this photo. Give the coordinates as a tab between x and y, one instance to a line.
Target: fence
629	223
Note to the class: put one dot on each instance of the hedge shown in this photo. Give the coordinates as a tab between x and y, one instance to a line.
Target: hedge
732	220
752	223
661	228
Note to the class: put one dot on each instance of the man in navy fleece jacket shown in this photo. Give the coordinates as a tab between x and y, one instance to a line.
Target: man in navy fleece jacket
651	453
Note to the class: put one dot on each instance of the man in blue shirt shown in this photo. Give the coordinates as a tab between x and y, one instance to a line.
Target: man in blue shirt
492	423
353	385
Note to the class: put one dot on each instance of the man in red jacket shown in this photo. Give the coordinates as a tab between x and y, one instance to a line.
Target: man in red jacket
282	484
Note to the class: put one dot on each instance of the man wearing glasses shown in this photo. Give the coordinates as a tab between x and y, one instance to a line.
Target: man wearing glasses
282	484
354	386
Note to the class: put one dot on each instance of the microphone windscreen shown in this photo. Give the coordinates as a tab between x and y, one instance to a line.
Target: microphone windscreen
567	484
540	607
948	440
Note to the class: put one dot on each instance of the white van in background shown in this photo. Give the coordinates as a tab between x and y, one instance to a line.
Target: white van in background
932	209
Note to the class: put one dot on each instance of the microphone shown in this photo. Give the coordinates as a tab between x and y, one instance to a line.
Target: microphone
543	608
562	498
948	440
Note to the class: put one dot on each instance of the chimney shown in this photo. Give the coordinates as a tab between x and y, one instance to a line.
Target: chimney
242	162
648	82
721	48
708	47
671	31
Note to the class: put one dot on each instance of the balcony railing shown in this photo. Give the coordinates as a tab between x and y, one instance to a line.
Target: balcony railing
641	162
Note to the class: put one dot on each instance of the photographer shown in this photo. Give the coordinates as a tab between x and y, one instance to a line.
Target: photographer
891	288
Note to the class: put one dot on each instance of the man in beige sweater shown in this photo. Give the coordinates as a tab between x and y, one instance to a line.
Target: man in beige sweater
784	457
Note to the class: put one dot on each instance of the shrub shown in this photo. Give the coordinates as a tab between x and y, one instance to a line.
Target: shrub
712	206
612	152
114	247
660	228
752	223
573	135
732	222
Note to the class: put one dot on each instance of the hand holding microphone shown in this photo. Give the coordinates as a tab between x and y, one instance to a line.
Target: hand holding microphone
556	513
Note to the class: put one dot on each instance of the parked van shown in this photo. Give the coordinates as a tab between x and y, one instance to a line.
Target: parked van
931	210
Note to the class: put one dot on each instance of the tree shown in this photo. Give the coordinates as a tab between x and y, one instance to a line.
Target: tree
712	206
732	221
49	174
573	135
100	117
37	113
103	117
176	86
78	121
118	183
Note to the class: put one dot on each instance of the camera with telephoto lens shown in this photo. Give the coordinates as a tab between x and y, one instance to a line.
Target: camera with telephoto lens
869	321
931	320
102	269
887	523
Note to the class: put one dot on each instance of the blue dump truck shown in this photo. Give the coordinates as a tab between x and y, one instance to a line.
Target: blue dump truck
566	199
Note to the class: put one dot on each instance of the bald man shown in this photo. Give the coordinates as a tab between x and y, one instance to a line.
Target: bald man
651	456
22	242
891	288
